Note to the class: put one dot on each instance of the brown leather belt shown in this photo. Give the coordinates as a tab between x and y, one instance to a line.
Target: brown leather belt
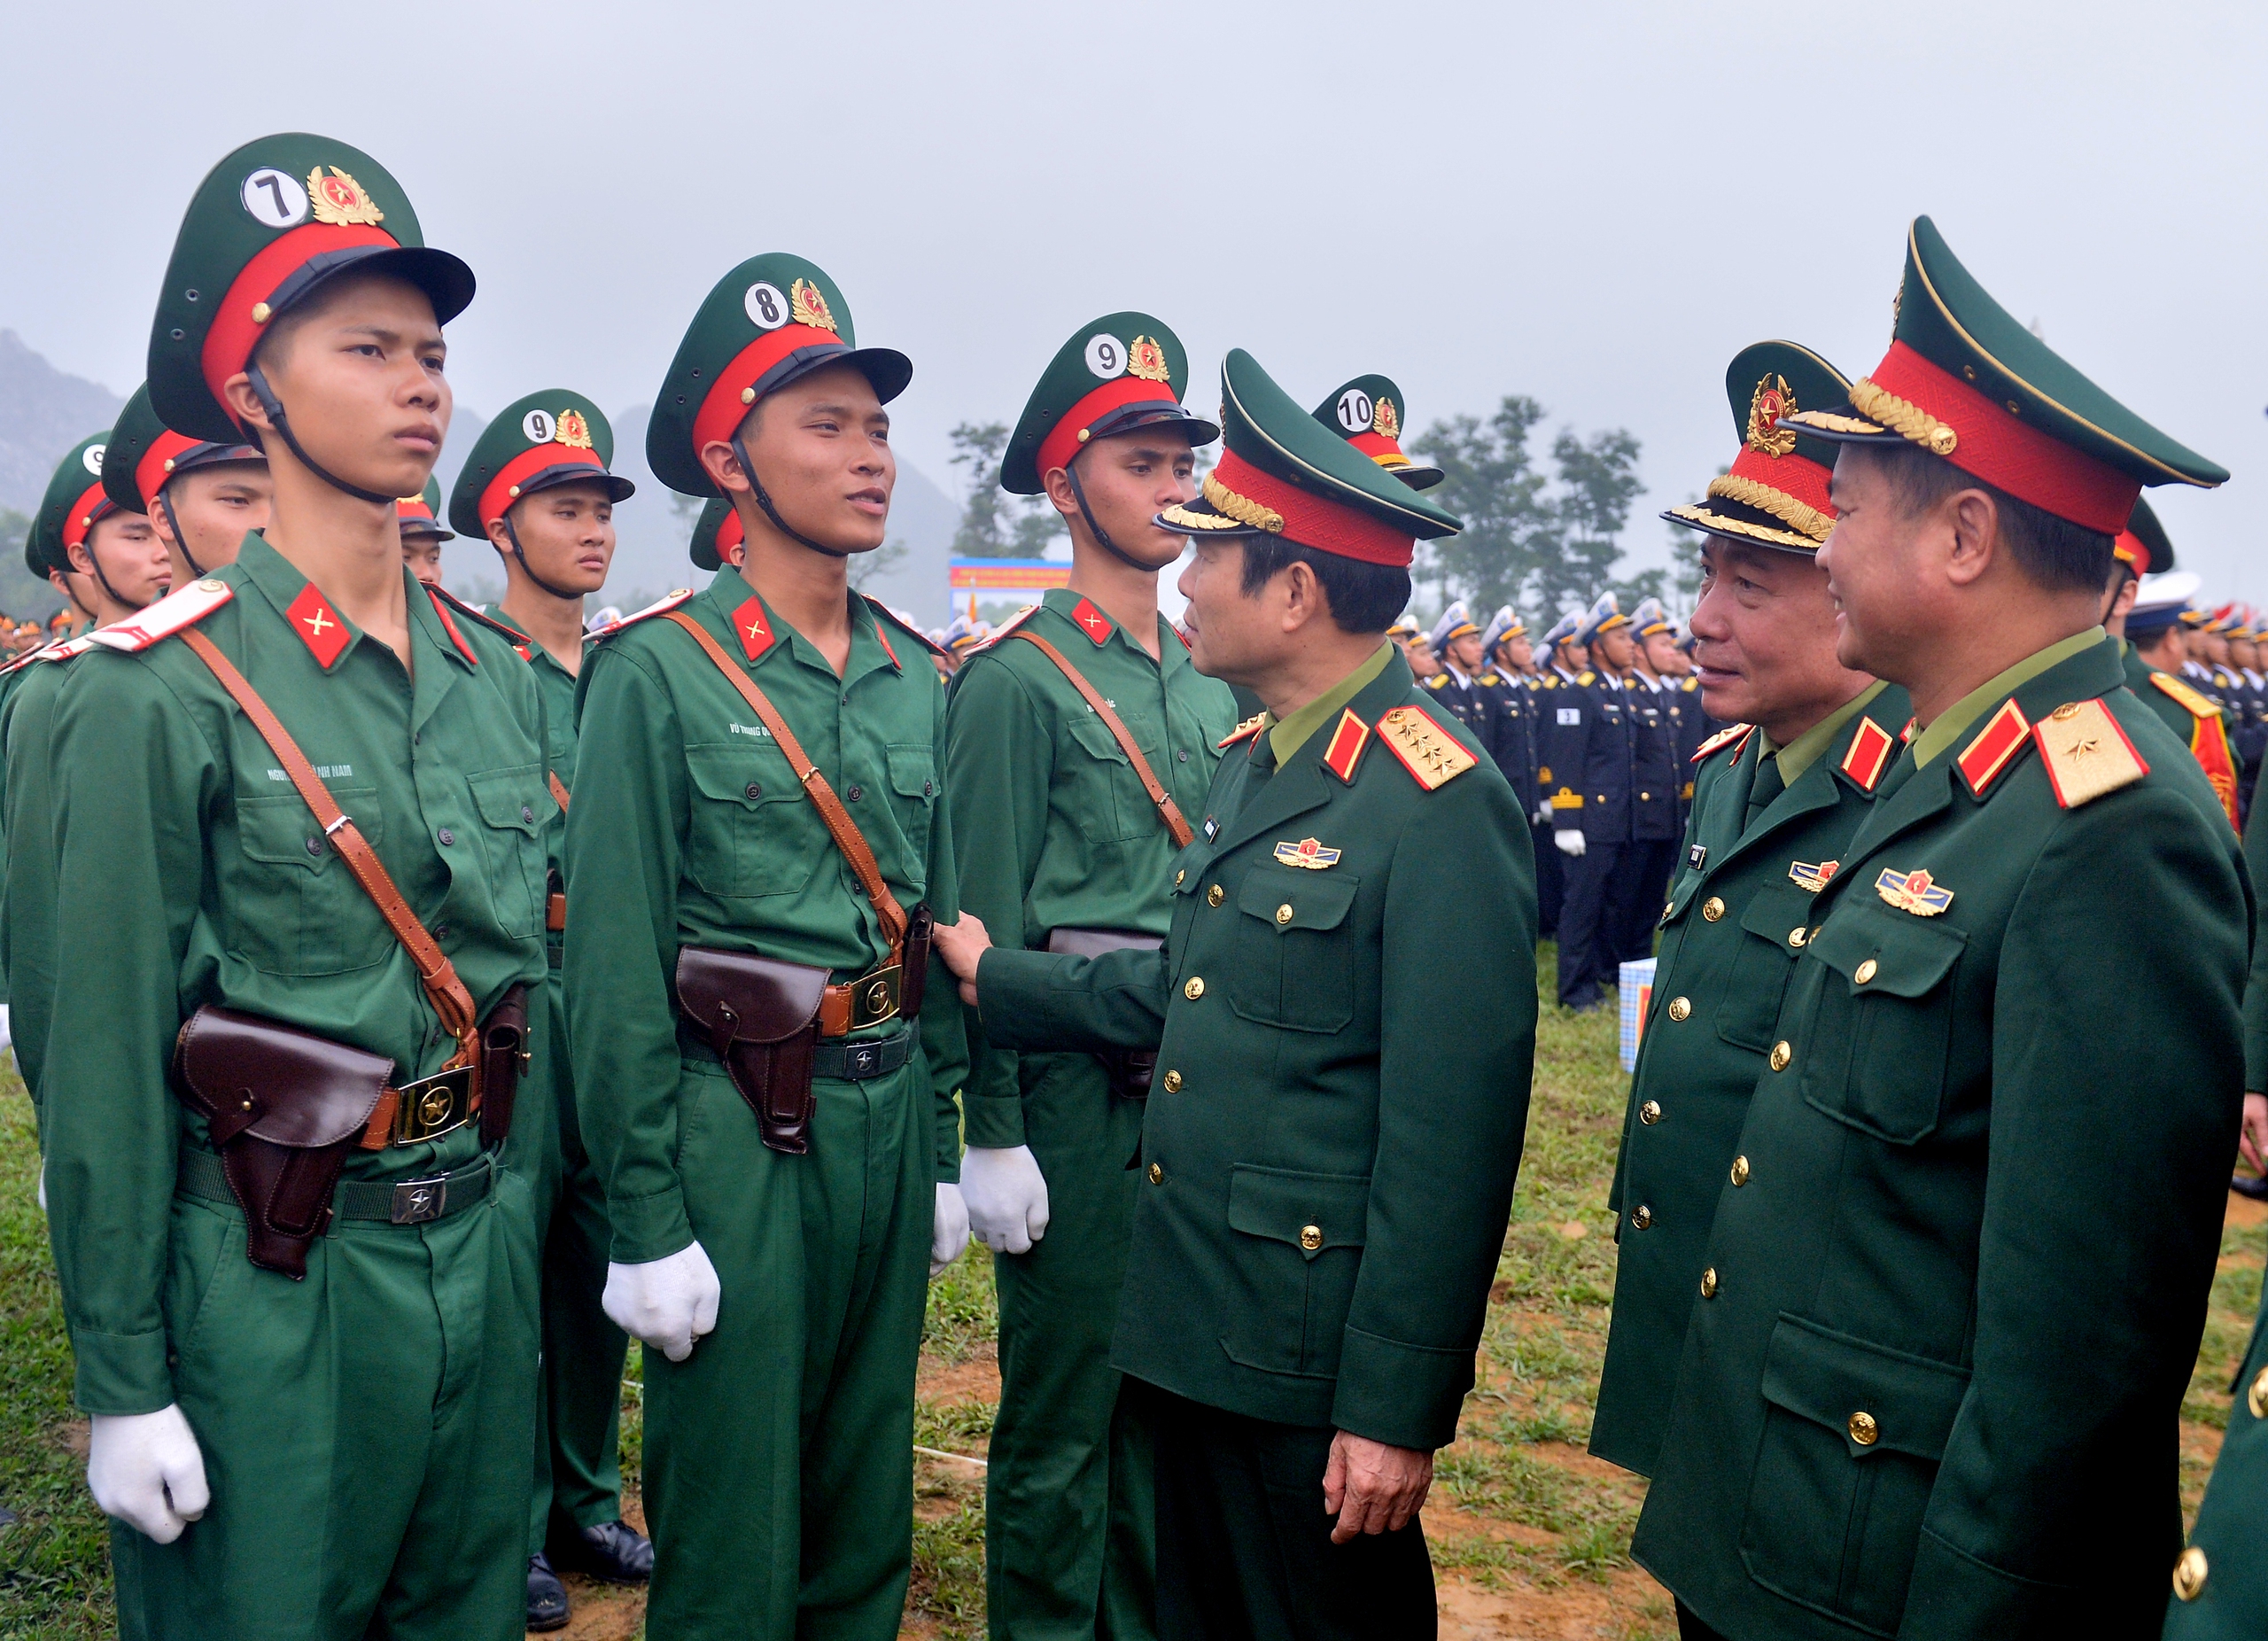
555	913
868	1000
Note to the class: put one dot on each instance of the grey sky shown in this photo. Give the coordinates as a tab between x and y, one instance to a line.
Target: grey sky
1597	205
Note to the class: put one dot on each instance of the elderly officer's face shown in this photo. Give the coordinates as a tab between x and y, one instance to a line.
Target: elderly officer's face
1766	633
822	446
1130	478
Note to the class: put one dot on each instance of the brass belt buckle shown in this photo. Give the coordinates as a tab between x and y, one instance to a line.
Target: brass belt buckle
417	1201
874	997
433	1105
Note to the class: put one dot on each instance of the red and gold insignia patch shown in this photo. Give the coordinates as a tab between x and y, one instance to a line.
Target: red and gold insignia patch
807	307
751	628
1386	420
1093	622
1869	754
1146	359
2086	752
1348	741
2003	735
1243	731
1771	402
339	200
571	429
1431	754
318	625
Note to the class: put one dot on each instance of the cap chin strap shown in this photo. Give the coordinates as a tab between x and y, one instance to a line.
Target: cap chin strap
528	570
181	541
772	512
102	581
273	405
1079	495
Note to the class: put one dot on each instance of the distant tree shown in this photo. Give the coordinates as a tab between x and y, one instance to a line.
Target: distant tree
994	524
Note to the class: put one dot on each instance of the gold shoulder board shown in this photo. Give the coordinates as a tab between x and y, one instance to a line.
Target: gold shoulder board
1427	750
2086	752
2196	704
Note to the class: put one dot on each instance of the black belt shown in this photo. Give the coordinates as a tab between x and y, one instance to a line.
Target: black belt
403	1203
845	1060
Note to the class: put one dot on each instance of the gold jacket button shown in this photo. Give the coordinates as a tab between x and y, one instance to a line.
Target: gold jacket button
1173	1082
1644	796
1310	1237
1157	1174
1679	1008
1667	907
1712	908
2189	1575
1865	971
1649	1113
1796	937
1213	896
1283	915
1709	1283
2256	1396
1642	1217
1781	1055
1178	876
1863	1429
1193	988
1740	1170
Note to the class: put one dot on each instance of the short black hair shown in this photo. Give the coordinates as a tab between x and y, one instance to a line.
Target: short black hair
2055	554
1363	598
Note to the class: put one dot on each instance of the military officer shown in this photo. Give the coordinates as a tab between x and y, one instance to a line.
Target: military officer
373	908
1303	1326
1456	689
753	848
1946	1318
1075	743
1557	801
418	518
1776	800
1660	670
1565	650
537	487
201	496
2155	648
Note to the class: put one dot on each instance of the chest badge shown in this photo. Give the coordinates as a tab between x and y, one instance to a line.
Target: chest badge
1307	853
1697	856
1811	879
1912	891
1212	828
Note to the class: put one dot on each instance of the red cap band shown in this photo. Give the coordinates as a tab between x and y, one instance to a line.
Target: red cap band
412	507
724	409
1790	475
2004	450
91	505
2133	550
500	491
157	466
1311	521
234	332
1376	445
1063	441
730	533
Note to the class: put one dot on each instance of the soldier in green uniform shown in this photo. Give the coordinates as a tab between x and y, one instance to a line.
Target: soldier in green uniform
418	519
1324	1192
537	487
201	496
1775	801
1946	1316
314	1419
757	831
1061	847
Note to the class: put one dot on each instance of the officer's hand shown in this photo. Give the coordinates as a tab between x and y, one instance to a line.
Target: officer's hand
949	1230
2252	1138
1570	840
146	1470
1372	1487
1006	1196
1543	814
667	1303
962	945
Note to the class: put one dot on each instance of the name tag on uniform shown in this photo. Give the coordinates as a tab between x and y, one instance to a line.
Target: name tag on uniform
1697	856
1212	828
1570	715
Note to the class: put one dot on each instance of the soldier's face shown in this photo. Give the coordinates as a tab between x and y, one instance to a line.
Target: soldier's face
1886	611
421	550
1664	656
1616	650
1466	653
1766	638
1518	653
1128	480
567	532
1574	657
135	567
2244	653
822	446
216	507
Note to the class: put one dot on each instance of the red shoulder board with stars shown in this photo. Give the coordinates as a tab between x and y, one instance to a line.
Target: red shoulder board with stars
1243	731
2003	735
1433	756
660	606
1869	754
169	615
1093	622
1722	738
753	629
884	613
449	626
1348	742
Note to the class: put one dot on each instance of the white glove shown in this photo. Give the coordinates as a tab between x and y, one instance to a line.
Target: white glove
949	1231
1543	814
668	1303
146	1470
1570	840
1006	1197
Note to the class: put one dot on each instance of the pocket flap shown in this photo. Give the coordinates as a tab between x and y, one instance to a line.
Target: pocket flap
1776	911
518	798
1327	1211
913	771
1088	730
1286	899
1910	954
284	831
1909	1402
748	775
301	1090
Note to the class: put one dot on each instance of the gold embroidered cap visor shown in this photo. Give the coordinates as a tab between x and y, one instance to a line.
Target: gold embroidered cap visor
1116	373
1966	382
1775	493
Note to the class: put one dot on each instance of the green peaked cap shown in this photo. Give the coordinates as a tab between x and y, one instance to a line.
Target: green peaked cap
74	500
1370	413
410	520
706	550
547	438
269	225
771	319
1777	492
1284	473
138	436
1965	381
1116	373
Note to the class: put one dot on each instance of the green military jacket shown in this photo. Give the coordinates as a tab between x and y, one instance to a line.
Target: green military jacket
1734	927
1328	1183
692	830
1052	826
1932	1385
198	876
30	903
557	687
2220	1584
2255	991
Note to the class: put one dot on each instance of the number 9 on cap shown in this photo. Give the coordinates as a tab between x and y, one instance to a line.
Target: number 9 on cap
1106	356
539	427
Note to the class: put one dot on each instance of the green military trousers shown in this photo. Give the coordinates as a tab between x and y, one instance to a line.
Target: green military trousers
779	1477
1069	1534
365	1431
578	1407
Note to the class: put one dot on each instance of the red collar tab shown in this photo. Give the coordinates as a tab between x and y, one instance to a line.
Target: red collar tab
1867	755
2004	734
497	496
1068	436
91	505
1988	437
1093	622
244	311
726	403
318	626
1913	727
1310	520
455	637
1347	743
752	627
1185	644
882	638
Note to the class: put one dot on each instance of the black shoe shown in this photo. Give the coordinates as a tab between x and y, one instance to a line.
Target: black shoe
613	1552
1583	1002
2245	1185
547	1607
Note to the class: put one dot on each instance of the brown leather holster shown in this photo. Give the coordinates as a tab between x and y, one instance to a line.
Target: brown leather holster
504	1054
1129	1068
761	1016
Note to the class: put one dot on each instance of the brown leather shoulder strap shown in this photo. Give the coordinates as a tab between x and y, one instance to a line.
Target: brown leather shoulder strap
1167	810
844	830
451	1001
558	788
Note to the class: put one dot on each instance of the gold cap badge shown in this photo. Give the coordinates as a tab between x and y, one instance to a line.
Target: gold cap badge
339	200
1386	420
1146	359
571	429
809	308
1771	402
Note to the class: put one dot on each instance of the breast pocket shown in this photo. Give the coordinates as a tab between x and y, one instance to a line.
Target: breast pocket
1874	1048
913	793
1122	811
296	909
1772	937
1294	952
515	806
1294	1258
744	838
